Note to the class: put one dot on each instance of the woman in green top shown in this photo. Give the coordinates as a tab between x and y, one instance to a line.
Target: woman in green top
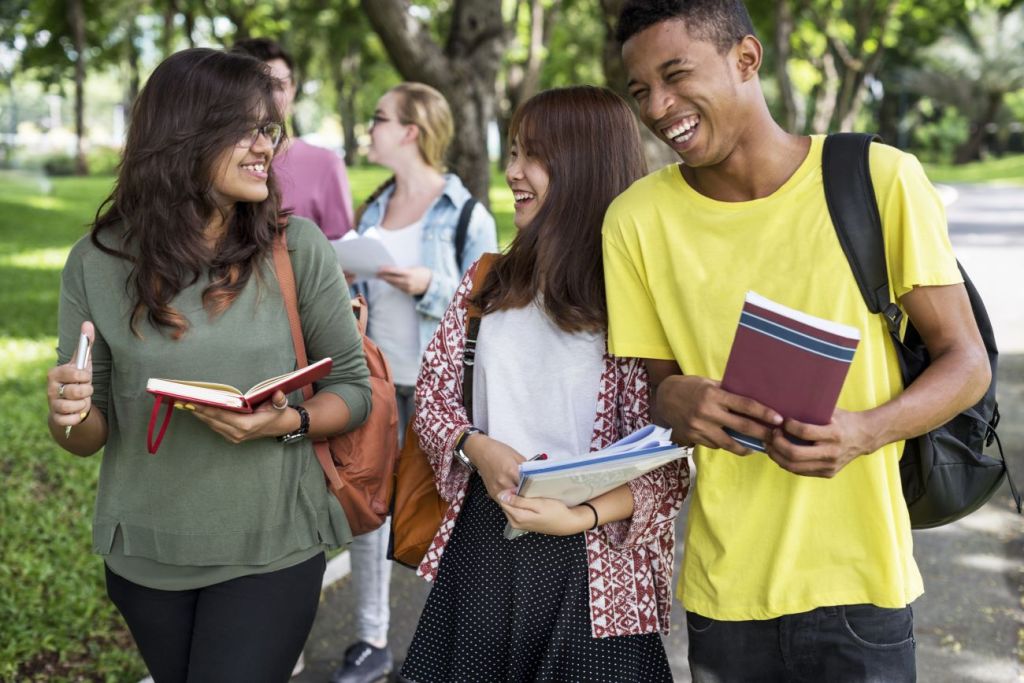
214	547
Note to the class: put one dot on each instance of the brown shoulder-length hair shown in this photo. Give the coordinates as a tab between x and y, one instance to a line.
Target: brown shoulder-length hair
197	104
588	141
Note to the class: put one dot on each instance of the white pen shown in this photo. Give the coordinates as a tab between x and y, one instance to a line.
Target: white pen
81	360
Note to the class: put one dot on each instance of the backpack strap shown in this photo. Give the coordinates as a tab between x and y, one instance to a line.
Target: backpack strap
462	229
286	280
473	316
850	197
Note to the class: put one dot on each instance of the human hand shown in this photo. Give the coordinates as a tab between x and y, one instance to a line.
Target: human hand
69	390
833	446
497	463
413	280
265	421
545	515
698	409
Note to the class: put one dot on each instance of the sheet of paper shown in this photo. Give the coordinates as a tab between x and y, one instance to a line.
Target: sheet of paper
362	256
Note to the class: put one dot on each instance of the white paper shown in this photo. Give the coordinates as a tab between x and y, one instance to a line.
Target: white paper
576	479
362	255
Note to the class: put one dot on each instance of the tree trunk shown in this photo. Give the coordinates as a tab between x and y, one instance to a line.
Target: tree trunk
783	50
347	85
464	72
971	149
190	26
76	20
656	152
132	62
523	79
167	38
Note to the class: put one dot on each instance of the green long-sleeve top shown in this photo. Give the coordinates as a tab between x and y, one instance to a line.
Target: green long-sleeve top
202	509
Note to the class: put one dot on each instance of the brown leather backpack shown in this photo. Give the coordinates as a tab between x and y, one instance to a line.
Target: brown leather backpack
417	508
359	465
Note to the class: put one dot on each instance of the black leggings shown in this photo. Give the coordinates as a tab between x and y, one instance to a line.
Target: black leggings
248	629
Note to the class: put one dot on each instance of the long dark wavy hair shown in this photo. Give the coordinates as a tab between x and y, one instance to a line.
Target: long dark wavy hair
197	104
588	141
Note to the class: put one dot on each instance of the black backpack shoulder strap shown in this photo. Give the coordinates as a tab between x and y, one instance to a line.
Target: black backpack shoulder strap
850	196
462	228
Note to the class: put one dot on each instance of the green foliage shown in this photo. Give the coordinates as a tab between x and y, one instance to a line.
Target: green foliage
938	138
57	165
103	161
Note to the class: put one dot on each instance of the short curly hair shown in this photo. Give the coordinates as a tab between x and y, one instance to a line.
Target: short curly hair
721	22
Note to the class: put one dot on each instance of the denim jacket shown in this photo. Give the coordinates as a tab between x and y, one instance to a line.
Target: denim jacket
439	247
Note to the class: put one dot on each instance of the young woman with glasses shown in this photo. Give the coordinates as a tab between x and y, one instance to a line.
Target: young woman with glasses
214	547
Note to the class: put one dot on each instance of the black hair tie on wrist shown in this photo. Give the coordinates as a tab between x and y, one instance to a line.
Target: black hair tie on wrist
594	510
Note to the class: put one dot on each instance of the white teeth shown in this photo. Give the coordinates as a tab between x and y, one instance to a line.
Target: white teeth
522	196
259	168
682	131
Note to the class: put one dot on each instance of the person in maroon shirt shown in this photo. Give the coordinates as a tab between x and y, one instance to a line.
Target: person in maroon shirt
313	180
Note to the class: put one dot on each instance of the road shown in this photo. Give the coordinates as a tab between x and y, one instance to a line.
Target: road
970	622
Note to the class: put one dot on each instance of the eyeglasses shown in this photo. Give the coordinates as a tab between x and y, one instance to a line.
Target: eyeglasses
271	131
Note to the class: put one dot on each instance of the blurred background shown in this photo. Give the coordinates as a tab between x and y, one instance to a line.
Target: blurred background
942	79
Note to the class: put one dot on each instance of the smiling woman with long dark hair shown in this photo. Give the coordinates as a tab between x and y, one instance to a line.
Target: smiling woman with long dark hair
584	596
214	547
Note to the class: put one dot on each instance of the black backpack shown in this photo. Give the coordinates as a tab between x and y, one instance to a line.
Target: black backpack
945	473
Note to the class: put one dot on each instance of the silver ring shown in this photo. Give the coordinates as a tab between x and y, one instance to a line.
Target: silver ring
277	407
60	389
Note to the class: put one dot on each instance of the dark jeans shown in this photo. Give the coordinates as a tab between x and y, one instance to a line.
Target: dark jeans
248	629
848	643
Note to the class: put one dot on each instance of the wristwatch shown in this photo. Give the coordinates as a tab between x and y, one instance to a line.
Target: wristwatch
460	454
300	433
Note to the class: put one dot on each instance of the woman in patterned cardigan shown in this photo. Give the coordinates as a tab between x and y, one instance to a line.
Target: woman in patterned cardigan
585	596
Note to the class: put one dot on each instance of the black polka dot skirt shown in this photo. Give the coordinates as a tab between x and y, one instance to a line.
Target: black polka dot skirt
518	610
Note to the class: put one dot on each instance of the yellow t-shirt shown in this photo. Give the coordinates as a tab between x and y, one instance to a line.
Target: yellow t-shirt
762	542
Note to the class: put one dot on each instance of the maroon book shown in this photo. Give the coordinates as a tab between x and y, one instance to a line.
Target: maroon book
790	361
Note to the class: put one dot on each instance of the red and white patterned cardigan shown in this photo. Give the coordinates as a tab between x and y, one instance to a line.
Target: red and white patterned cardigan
631	560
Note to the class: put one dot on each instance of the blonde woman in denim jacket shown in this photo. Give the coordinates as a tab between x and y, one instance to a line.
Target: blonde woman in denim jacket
415	214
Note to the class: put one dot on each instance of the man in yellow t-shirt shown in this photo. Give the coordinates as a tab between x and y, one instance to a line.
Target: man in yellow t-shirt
798	562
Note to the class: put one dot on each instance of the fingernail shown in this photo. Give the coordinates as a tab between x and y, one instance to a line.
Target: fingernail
189	406
777	420
179	405
503	497
82	415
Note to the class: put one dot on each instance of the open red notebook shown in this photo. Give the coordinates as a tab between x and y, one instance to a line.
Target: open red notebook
224	395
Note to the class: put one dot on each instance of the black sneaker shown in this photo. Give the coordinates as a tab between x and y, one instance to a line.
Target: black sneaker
364	663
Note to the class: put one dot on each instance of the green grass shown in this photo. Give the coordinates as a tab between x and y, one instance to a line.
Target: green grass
57	622
1008	170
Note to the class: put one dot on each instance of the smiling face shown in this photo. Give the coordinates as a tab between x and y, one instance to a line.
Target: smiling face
241	172
528	179
689	94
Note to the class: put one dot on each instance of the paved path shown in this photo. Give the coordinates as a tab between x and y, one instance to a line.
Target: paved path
970	623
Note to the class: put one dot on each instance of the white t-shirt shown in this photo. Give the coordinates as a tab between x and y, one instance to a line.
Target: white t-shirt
394	322
535	386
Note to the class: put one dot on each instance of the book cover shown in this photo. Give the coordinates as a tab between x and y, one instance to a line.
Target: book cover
790	361
227	396
582	477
